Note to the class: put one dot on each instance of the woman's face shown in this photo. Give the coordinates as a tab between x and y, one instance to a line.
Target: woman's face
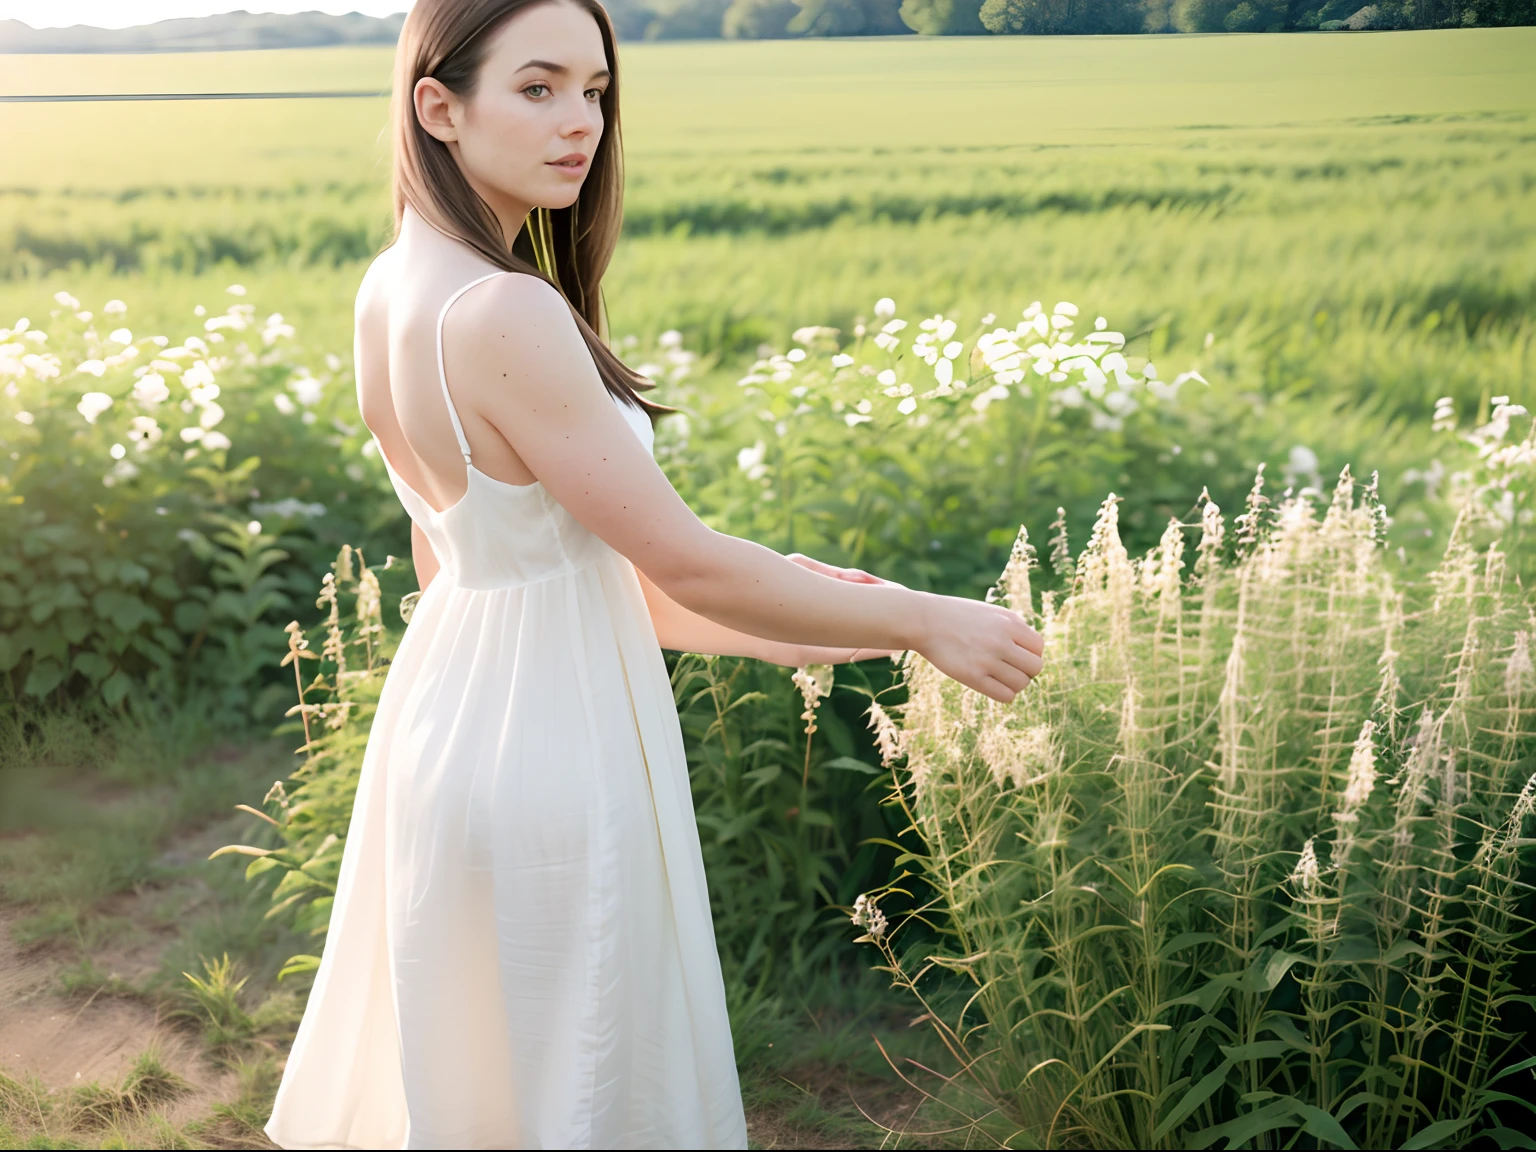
526	135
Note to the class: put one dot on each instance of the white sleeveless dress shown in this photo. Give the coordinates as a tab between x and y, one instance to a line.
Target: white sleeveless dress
521	953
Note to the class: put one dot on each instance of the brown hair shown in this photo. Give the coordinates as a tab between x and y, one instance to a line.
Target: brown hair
568	248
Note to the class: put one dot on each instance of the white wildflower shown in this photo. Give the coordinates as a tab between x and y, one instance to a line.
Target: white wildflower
215	441
67	300
144	431
95	368
150	389
24	417
114	308
885	308
120	336
92	405
750	460
307	389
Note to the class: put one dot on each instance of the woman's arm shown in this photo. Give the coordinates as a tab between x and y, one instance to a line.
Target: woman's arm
685	631
515	361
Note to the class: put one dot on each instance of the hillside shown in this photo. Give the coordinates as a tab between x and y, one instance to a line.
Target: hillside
232	30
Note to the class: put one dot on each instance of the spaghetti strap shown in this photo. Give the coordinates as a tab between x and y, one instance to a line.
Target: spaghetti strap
442	373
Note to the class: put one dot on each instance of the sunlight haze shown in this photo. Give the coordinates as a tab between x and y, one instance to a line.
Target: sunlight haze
116	14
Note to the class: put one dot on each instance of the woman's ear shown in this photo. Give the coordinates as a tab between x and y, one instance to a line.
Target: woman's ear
437	109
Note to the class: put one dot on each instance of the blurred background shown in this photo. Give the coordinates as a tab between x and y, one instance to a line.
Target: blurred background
913	273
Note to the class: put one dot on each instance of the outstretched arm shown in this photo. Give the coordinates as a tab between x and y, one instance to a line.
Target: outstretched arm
514	358
683	631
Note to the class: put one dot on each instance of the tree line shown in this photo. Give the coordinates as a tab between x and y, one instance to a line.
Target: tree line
781	19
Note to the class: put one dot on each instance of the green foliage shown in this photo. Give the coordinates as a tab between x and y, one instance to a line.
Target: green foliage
787	821
1059	17
758	19
942	17
214	1001
141	568
1249	861
848	18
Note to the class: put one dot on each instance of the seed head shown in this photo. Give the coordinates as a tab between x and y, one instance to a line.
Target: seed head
867	915
815	683
1306	874
887	735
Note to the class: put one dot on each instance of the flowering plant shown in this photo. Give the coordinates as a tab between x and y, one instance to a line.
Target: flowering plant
133	477
907	444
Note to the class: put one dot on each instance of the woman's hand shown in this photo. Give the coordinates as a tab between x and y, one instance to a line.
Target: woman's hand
852	575
984	646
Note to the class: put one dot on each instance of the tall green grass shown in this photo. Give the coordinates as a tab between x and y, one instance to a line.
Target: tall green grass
1248	862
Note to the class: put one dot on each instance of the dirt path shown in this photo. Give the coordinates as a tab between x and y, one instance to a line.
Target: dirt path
69	1041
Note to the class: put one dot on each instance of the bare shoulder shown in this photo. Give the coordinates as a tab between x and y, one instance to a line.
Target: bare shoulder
516	328
372	304
509	305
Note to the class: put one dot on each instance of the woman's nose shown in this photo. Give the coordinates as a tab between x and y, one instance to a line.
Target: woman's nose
581	120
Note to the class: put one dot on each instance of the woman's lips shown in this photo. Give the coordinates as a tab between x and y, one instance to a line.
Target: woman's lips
572	164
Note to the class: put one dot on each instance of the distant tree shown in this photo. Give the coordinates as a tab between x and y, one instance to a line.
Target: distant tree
1201	15
1062	17
848	18
630	18
1496	13
759	19
943	17
1256	16
688	20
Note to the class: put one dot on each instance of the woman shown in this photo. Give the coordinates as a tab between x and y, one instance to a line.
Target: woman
520	951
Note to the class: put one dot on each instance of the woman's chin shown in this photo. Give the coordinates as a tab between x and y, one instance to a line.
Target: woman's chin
556	198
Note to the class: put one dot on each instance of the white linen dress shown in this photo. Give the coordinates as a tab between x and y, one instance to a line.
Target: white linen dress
521	953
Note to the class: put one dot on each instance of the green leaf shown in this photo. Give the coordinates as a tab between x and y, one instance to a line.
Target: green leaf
1187	940
1195	1097
117	686
93	666
10	653
45	676
189	615
1257	1050
1245	1127
296	965
1509	1138
1436	1134
849	764
1320	1124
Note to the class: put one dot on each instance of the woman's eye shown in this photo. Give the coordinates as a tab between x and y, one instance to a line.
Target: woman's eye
536	90
594	94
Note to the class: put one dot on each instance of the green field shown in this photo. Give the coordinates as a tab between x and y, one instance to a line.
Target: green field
1251	187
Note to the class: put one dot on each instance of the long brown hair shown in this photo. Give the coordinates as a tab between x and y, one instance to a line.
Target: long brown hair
566	247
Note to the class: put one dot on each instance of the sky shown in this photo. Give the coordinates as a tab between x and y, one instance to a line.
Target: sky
126	13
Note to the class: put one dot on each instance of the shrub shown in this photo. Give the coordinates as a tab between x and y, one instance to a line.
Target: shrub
943	17
151	554
758	19
1245	863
